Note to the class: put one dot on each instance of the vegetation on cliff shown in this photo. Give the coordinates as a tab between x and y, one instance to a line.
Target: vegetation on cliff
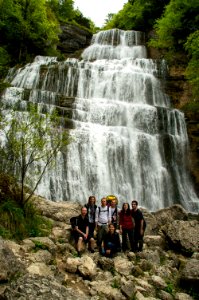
31	27
28	146
175	24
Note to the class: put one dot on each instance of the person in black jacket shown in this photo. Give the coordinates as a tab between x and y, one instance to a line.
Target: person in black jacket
111	242
139	226
81	231
91	209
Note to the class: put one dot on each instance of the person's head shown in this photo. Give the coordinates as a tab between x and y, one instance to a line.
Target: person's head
111	228
103	201
125	206
113	203
134	204
83	211
91	200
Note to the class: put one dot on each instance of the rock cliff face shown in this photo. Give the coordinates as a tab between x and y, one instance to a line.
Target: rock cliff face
179	90
73	40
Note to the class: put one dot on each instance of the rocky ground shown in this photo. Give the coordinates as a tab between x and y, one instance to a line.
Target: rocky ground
48	267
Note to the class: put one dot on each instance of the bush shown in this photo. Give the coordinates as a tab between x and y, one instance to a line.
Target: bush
20	222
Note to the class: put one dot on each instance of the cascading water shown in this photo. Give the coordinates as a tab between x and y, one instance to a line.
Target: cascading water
126	139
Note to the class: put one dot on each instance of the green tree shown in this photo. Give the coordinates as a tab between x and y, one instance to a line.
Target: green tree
192	71
180	19
137	15
27	27
31	143
63	10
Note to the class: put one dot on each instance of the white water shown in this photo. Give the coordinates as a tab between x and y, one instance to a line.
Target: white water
127	140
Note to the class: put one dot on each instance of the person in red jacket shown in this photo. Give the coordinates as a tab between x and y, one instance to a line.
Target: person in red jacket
126	227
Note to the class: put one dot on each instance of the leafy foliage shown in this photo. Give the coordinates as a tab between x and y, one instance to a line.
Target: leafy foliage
178	21
29	26
31	143
192	71
18	219
175	23
137	15
19	222
32	27
176	32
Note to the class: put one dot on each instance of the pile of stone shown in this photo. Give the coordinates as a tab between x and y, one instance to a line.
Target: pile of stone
48	267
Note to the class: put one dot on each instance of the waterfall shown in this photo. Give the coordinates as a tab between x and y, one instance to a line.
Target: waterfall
127	140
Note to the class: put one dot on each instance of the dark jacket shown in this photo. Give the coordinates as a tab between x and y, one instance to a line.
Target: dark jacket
114	239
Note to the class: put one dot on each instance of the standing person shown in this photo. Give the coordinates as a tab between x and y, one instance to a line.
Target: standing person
111	242
114	213
91	209
126	227
139	226
81	231
102	219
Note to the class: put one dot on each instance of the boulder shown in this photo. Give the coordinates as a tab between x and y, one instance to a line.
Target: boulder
57	211
73	38
87	268
106	292
183	296
10	265
72	264
40	269
106	264
189	275
167	215
33	286
158	282
128	288
44	243
183	236
122	265
41	256
154	241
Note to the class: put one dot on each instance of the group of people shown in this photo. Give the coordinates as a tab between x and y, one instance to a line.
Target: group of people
106	223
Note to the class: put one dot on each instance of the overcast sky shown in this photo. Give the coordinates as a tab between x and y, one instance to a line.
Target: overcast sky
97	10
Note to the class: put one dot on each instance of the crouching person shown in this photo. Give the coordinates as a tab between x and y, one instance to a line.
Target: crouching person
111	242
81	232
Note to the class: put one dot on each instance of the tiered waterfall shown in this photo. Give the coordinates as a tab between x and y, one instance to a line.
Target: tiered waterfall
126	138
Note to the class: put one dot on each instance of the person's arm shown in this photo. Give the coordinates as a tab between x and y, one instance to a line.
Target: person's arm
85	235
142	226
96	217
120	222
78	230
109	215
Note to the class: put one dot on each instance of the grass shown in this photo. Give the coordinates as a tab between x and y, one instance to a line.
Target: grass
115	284
18	222
169	288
